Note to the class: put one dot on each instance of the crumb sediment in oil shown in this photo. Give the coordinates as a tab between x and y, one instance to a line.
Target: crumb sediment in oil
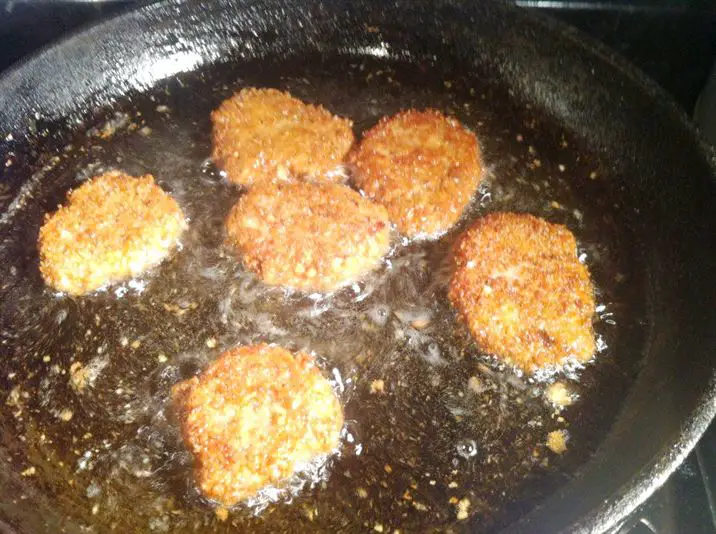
437	436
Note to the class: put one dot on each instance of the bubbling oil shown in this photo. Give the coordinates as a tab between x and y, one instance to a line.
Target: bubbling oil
438	436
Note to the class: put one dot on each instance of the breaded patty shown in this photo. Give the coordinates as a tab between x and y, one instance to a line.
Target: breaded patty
313	237
255	416
265	135
112	227
422	166
522	291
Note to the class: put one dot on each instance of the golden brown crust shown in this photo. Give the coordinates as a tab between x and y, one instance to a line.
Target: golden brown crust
265	135
253	417
112	228
422	166
522	291
313	237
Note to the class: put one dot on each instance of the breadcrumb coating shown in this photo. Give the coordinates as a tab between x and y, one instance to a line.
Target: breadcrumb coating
522	291
312	237
266	135
255	416
112	228
422	166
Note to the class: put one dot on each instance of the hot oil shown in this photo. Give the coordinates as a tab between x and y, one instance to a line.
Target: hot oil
438	436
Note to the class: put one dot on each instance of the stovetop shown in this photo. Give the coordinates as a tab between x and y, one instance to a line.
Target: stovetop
673	41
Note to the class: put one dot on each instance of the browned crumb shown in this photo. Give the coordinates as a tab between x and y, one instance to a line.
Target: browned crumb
179	310
30	471
310	512
522	291
422	166
557	441
314	237
475	385
559	395
419	506
113	227
253	417
420	324
79	376
463	508
377	386
263	135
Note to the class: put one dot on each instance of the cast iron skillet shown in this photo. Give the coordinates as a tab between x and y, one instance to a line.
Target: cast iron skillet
569	132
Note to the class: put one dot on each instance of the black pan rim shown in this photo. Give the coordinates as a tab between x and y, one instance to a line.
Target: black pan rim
616	510
582	40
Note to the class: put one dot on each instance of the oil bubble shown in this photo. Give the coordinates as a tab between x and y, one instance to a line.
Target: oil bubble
467	448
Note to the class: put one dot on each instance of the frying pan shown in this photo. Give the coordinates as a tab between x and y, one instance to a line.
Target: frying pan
569	131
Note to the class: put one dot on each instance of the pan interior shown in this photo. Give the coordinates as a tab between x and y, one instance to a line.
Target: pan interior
88	422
